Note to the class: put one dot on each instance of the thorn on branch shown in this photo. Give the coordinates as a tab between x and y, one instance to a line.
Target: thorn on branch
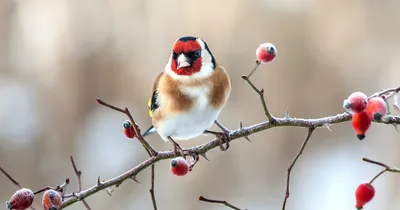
241	128
287	116
201	198
303	146
134	178
395	127
99	182
204	156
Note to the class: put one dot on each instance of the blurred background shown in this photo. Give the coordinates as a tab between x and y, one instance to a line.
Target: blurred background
56	57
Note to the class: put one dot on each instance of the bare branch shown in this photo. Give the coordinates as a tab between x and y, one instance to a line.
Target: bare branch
201	198
310	131
78	176
233	135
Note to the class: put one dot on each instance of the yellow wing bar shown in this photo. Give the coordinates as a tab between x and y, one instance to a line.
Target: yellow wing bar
149	105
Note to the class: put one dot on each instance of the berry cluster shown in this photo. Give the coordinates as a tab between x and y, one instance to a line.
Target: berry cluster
364	110
23	199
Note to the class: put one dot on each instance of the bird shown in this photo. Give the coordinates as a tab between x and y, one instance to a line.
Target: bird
189	94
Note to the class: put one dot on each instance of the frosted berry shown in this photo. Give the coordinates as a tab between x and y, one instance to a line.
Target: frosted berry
266	53
364	194
356	102
128	129
376	108
51	200
361	122
179	166
21	199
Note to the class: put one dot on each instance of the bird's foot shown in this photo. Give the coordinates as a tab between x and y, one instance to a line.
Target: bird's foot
178	151
223	138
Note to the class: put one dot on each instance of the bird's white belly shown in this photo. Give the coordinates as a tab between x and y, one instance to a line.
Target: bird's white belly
185	126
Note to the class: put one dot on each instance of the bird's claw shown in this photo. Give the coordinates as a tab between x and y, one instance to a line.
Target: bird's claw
223	138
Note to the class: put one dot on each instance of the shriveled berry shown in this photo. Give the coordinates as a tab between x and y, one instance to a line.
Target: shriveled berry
179	166
361	122
364	194
21	199
376	108
266	52
356	102
128	129
51	200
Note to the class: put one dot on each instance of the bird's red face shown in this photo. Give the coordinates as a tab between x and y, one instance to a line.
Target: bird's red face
186	57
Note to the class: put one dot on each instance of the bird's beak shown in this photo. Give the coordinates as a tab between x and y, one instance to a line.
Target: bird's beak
182	61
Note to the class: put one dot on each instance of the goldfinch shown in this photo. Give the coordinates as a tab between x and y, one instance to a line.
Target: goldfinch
189	94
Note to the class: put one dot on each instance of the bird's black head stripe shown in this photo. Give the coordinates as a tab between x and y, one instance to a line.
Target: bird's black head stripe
209	51
187	38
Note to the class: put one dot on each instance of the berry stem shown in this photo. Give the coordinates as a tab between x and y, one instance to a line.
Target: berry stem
380	173
259	92
254	69
148	147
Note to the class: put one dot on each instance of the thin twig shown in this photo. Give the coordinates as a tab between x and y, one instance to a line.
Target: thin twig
77	172
153	197
10	178
310	131
222	127
135	127
259	92
376	163
201	198
383	92
78	176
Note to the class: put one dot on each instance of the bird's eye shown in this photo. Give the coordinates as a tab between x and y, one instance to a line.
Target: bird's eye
174	55
271	50
197	53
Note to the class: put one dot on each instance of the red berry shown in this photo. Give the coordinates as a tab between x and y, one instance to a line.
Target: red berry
179	166
266	53
22	199
356	102
364	194
128	130
51	200
361	122
376	108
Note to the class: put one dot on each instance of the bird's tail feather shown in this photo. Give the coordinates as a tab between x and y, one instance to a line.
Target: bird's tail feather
149	131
